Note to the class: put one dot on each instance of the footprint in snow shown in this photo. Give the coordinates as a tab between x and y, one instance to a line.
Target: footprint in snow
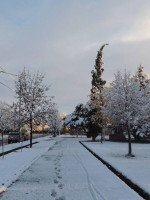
55	181
60	186
57	173
54	193
56	163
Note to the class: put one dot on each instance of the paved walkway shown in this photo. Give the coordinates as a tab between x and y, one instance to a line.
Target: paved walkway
68	172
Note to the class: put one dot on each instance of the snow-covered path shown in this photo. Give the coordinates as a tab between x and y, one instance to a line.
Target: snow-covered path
68	172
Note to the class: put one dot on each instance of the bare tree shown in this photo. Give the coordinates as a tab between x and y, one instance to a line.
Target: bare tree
125	103
31	94
54	120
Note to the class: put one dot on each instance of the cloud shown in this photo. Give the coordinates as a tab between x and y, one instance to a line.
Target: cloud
127	55
140	31
61	40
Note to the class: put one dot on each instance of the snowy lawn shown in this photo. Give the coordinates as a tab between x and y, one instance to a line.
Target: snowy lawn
15	145
137	168
4	136
15	163
71	136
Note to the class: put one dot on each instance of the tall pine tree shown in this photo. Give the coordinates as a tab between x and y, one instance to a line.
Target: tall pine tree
96	97
141	77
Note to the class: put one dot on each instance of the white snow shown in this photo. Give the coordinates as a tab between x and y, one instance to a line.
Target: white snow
88	178
65	172
69	120
13	164
15	145
136	168
4	136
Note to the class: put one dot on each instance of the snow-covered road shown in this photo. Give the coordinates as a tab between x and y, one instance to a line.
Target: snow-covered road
68	172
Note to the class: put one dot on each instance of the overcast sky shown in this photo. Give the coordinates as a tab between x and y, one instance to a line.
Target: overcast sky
60	38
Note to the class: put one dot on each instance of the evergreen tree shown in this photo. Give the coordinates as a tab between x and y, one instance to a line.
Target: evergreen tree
78	119
96	97
142	126
141	77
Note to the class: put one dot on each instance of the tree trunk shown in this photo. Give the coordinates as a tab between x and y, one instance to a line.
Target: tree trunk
2	143
30	132
129	142
93	138
102	135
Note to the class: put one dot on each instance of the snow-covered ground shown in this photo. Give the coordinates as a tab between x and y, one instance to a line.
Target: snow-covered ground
72	136
15	145
136	168
13	164
67	171
5	136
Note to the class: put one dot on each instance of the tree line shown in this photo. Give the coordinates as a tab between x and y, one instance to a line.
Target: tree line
125	102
